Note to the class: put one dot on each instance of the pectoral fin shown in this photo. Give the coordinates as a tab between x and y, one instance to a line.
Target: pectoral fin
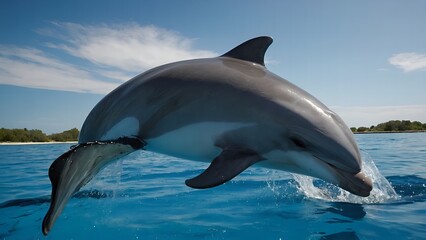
225	167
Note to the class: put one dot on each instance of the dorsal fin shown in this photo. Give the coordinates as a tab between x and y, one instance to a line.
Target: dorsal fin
252	50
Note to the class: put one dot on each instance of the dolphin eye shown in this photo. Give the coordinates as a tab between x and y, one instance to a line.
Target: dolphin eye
298	142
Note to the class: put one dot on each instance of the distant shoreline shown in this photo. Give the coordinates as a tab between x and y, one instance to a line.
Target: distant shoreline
33	143
75	142
379	132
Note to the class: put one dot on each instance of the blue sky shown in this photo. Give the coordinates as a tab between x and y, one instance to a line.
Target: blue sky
366	60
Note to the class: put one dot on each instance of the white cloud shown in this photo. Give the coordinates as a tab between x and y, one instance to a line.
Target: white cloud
367	116
117	75
128	47
113	52
409	61
32	68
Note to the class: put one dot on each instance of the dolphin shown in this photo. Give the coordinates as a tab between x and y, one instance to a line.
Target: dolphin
227	110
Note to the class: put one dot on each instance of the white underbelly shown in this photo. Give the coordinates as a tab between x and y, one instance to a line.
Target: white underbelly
193	142
298	162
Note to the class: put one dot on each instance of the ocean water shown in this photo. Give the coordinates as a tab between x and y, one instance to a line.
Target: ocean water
143	196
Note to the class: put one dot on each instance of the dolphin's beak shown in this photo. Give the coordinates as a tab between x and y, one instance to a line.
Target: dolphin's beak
358	183
341	153
347	174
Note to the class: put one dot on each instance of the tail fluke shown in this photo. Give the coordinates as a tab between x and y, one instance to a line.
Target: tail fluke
73	169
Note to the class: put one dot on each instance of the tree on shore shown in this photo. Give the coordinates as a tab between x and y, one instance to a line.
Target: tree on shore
22	135
65	136
393	126
36	135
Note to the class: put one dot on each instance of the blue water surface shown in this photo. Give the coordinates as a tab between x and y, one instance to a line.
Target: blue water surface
143	196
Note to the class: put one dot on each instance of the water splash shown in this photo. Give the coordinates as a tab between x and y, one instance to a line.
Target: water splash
318	189
108	180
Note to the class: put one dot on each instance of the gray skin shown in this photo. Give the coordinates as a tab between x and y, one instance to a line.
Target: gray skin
229	110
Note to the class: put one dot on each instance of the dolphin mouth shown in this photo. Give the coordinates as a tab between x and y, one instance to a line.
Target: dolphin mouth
356	183
359	184
352	180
